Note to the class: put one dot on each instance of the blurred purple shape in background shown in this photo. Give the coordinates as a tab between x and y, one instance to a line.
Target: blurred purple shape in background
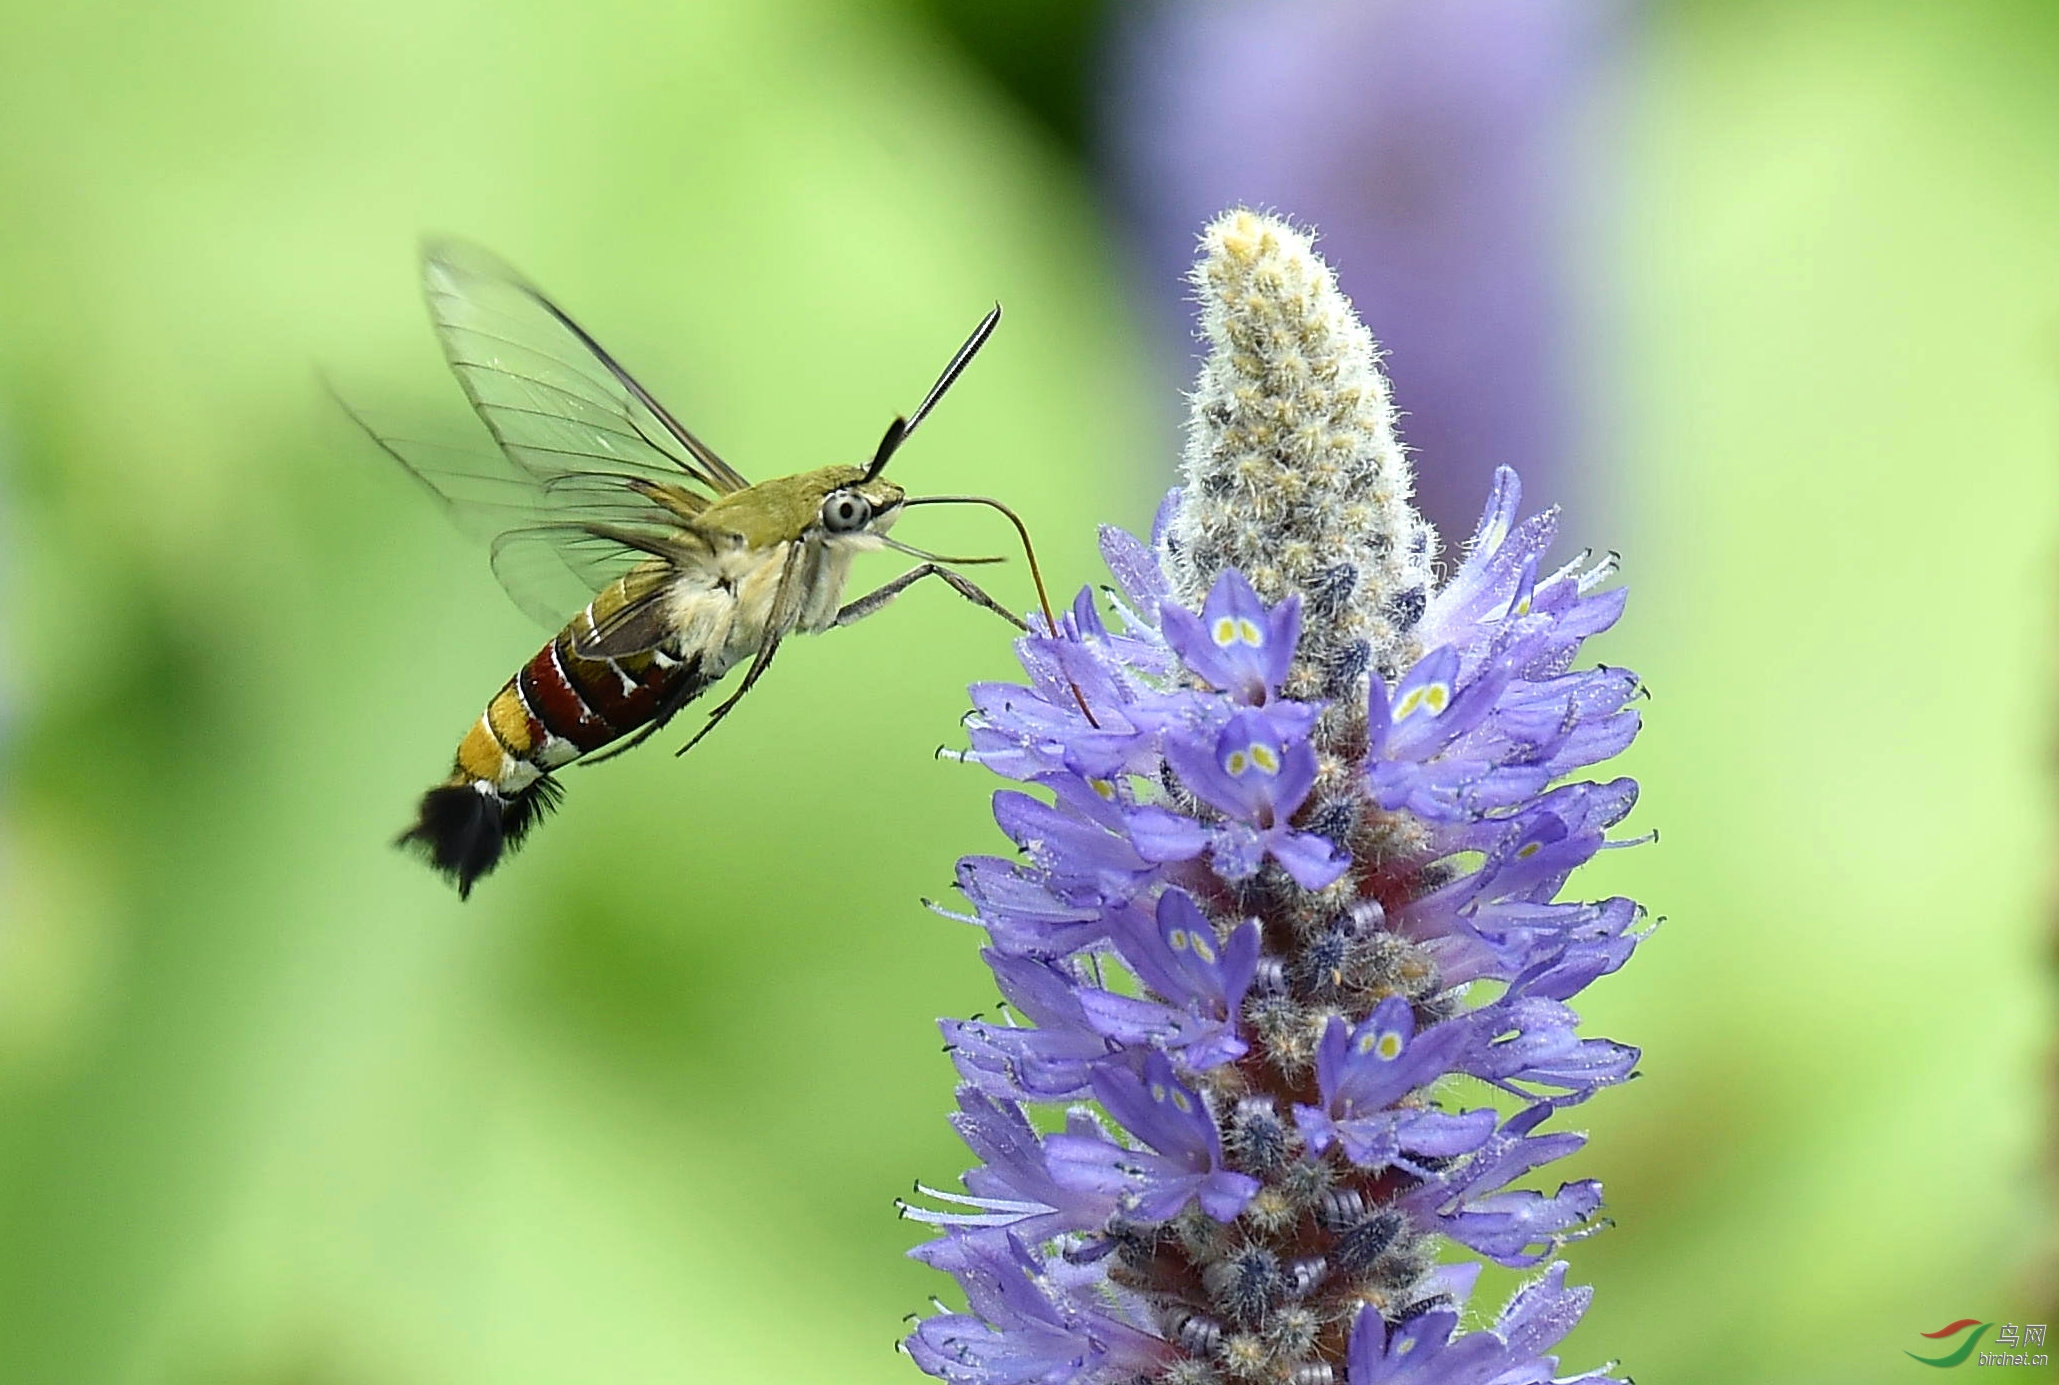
1440	147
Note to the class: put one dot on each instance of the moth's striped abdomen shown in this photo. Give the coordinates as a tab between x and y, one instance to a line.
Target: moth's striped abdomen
561	705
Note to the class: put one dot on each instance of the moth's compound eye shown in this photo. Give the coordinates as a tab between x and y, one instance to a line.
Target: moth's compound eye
845	511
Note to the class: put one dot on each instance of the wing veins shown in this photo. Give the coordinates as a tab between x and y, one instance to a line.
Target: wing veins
721	474
571	452
610	406
702	453
591	475
571	368
584	541
596	427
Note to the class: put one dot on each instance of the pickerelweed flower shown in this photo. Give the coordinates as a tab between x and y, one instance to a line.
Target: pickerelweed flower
1285	935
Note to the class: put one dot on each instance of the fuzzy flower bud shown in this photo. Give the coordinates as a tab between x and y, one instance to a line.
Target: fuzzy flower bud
1293	474
1239	941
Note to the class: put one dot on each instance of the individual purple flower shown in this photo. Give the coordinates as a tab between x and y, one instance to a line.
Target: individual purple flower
1021	913
1025	1324
1141	584
1082	841
1364	1072
1235	644
1257	775
1525	1038
1201	979
1182	1160
1425	1351
1049	1059
1013	1187
1275	819
1512	1228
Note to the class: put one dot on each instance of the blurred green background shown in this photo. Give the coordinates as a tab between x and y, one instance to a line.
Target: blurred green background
276	1110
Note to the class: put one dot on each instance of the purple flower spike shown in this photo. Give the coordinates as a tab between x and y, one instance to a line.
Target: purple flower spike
1318	798
1235	644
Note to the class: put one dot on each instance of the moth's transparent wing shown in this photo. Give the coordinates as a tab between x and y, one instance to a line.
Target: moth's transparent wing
629	619
555	540
552	396
593	480
551	571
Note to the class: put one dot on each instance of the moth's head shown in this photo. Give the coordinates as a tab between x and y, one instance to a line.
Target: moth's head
856	504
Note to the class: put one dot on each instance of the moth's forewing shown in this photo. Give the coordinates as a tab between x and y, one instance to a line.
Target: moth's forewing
551	395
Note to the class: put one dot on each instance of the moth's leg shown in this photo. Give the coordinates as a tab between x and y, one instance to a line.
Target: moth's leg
784	615
650	729
872	602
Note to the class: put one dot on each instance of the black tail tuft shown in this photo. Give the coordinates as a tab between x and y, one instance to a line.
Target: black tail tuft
464	829
530	807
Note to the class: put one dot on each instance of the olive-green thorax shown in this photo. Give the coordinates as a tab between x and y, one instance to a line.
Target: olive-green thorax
782	509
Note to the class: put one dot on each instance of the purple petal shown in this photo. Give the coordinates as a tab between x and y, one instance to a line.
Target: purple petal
1135	568
1159	834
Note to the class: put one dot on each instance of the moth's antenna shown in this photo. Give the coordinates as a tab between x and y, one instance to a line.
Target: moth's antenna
898	431
957	366
888	445
1028	551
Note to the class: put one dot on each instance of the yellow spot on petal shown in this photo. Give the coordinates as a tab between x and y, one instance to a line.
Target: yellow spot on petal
1236	763
1180	1102
1225	632
1434	696
1387	1044
1179	939
1528	849
1251	634
1202	948
1102	787
1158	1092
1263	757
